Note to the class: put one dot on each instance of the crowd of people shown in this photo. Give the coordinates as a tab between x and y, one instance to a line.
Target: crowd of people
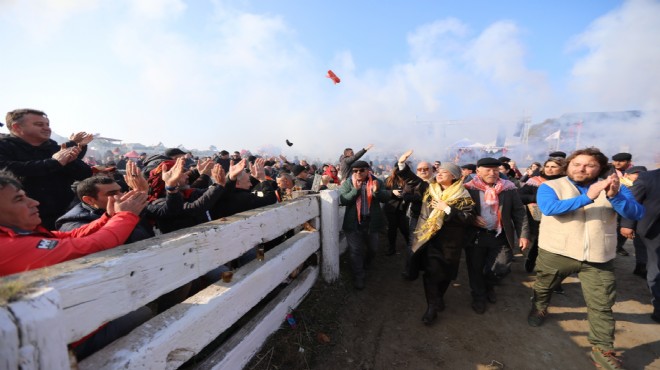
569	215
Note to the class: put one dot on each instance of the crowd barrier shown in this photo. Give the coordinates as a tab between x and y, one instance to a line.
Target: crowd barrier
63	303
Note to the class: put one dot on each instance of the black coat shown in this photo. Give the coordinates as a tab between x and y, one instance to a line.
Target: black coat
514	216
646	190
170	214
239	200
43	177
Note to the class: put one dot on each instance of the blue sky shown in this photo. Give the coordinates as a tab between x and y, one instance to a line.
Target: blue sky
250	74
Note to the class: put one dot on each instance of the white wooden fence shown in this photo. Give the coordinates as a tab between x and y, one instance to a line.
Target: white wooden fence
67	301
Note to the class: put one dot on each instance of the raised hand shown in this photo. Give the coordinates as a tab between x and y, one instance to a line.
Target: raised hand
81	138
368	147
205	167
66	155
236	169
134	178
173	176
218	175
132	201
257	169
404	157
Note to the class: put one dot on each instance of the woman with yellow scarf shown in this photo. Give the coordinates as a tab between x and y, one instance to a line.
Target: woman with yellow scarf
447	211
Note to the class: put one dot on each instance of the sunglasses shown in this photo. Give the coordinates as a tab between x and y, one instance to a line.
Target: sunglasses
359	170
422	169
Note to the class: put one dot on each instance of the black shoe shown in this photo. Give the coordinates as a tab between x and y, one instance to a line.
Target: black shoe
622	252
358	283
479	306
430	315
559	290
491	296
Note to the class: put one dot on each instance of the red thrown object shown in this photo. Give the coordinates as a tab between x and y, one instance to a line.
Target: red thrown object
331	75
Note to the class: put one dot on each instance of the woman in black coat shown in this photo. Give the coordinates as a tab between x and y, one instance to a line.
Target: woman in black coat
447	211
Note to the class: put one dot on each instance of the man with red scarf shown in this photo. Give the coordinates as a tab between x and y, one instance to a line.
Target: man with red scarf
364	219
501	220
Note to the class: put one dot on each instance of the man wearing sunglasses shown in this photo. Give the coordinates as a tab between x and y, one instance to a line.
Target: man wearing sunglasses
362	194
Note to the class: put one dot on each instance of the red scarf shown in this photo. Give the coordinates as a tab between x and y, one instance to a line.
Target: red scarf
332	175
358	202
491	194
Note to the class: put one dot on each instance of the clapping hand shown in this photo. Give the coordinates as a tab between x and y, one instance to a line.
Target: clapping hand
134	178
66	155
614	186
132	201
81	138
257	169
174	175
218	175
236	169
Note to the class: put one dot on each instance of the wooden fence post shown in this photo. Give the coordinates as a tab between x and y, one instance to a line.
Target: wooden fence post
330	226
42	340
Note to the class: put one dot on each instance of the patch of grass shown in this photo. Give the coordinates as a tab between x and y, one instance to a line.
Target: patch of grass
11	290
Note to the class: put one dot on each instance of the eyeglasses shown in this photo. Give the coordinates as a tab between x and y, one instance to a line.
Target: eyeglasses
423	169
359	170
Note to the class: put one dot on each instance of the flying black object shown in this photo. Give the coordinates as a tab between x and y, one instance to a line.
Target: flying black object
288	142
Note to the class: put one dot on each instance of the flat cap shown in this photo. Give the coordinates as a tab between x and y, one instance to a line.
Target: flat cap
360	164
171	152
557	154
489	162
622	157
636	169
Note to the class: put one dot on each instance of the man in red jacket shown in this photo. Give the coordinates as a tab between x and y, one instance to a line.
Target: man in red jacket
26	245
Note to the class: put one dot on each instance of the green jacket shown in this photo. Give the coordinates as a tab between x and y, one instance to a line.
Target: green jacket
348	196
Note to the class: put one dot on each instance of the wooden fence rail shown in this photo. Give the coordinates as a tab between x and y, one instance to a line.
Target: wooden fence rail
63	303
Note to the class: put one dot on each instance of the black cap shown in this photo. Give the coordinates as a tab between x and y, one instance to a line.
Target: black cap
360	164
489	162
622	157
171	152
557	154
297	169
636	169
503	159
470	166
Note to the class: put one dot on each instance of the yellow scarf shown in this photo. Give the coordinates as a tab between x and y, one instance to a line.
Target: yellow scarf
455	195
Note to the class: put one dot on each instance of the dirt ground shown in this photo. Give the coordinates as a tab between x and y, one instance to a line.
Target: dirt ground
380	327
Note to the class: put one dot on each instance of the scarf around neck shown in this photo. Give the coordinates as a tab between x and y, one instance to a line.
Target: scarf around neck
491	193
454	195
358	202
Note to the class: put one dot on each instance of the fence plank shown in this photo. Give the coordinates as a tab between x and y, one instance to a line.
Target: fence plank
173	337
106	285
241	347
41	333
8	341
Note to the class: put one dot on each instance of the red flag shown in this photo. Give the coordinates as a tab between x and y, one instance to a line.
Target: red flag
331	75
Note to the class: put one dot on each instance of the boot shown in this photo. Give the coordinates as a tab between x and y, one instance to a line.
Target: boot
433	300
